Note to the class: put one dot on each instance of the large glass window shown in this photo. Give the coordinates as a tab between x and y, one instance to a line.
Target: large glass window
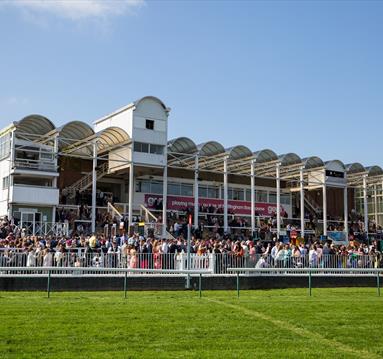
186	189
156	149
156	187
212	192
174	189
261	196
202	191
4	145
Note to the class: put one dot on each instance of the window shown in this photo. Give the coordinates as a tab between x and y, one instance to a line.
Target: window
261	196
156	149
141	147
212	192
149	125
186	189
202	191
174	189
156	187
5	182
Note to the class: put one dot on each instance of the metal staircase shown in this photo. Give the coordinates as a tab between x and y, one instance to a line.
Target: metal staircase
151	222
85	182
312	206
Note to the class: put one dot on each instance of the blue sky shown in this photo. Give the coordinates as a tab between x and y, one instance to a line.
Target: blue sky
303	76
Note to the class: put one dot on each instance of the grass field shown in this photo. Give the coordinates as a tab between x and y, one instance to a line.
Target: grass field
334	323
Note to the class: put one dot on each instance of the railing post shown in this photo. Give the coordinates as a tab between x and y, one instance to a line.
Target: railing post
49	283
237	284
125	284
310	282
378	283
200	285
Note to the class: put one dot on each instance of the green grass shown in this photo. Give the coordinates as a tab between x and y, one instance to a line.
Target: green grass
334	323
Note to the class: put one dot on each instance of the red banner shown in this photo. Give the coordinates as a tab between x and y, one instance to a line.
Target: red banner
178	203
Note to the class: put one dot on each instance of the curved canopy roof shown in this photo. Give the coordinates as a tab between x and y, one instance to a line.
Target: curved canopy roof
265	155
312	162
238	152
182	145
335	165
137	102
374	171
72	132
355	167
210	148
289	159
110	137
34	126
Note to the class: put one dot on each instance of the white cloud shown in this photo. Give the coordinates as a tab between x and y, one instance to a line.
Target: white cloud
77	9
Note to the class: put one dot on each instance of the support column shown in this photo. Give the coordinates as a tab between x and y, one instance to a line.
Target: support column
252	189
225	195
10	176
324	189
365	204
376	203
278	210
196	194
302	205
94	186
54	182
131	194
345	207
164	201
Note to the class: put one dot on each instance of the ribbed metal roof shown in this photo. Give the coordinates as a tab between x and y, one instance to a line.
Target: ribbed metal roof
33	126
210	148
182	145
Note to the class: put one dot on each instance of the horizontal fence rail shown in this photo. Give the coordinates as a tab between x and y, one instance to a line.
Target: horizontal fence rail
215	263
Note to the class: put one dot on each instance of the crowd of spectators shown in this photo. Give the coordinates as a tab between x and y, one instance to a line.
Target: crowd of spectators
135	251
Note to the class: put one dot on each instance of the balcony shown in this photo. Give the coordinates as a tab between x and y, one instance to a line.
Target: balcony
33	165
42	196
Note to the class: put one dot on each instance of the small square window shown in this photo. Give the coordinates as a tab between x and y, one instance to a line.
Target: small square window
149	124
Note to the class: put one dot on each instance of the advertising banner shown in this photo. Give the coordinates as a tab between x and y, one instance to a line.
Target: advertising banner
179	203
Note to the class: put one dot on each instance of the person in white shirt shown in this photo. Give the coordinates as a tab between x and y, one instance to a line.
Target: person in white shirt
31	258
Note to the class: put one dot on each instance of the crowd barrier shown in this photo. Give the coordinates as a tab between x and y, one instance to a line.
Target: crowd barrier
215	263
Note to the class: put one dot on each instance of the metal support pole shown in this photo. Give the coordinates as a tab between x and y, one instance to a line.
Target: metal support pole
278	210
49	284
365	205
376	203
302	205
54	181
126	285
237	284
131	194
225	195
164	201
345	205
378	283
310	283
252	189
188	256
196	194
94	186
324	190
200	285
10	176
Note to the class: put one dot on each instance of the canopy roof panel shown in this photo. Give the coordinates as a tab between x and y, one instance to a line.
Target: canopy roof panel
335	165
355	167
312	162
182	145
72	132
33	126
289	159
210	148
265	155
111	137
374	171
238	152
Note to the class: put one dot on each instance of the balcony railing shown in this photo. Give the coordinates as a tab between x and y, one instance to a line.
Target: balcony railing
35	165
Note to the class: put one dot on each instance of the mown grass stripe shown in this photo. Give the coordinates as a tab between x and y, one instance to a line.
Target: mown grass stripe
299	331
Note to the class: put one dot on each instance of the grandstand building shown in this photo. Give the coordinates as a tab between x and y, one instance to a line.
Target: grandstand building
126	164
